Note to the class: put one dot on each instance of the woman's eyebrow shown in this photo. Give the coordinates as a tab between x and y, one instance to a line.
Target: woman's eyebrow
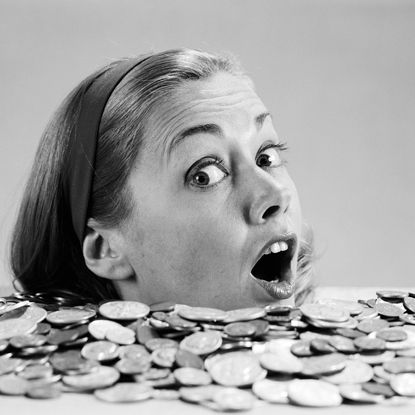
209	129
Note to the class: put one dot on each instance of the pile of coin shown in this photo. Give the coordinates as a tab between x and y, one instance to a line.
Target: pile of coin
321	354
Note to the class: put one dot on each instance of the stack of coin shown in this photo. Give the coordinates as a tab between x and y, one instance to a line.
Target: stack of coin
320	354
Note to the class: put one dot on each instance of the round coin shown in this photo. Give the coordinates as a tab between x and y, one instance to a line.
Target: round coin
202	343
120	335
368	326
13	385
352	307
44	392
124	310
324	364
355	371
102	377
240	329
125	392
235	369
244	314
202	313
233	399
388	310
69	316
99	328
323	312
404	384
354	392
409	304
271	390
400	365
392	335
16	327
100	350
281	362
189	376
313	393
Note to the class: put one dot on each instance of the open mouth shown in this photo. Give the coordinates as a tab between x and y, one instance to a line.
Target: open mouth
273	269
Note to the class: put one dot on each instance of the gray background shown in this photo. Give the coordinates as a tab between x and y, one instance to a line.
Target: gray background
338	77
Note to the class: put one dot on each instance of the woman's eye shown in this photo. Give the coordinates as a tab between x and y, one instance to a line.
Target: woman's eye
270	157
208	176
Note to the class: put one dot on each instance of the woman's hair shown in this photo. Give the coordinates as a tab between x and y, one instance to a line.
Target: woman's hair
45	252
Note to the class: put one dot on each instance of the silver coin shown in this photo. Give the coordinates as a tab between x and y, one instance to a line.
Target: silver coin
120	335
70	316
271	390
125	392
16	327
13	385
99	328
404	384
101	350
202	343
189	376
202	313
233	399
355	371
354	392
244	314
103	377
323	312
124	310
313	393
236	369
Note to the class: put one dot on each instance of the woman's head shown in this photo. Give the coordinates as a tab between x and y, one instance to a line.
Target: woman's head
189	190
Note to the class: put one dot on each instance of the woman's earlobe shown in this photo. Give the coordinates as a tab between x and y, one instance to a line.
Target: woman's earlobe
103	258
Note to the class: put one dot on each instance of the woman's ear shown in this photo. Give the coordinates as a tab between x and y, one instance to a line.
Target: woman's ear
103	253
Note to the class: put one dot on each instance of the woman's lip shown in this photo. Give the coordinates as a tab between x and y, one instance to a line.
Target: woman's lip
278	289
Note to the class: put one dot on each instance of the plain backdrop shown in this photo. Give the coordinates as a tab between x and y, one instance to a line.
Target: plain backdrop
338	77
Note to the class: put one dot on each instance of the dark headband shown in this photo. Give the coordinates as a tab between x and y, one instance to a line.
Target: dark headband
80	166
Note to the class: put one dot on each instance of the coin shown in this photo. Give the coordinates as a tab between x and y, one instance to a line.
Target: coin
202	343
313	393
351	307
409	304
8	365
125	392
355	371
244	314
120	335
392	334
184	358
202	313
69	316
301	348
98	328
235	369
271	390
403	384
27	340
13	385
189	376
233	399
368	326
323	312
162	306
199	393
400	365
324	364
388	310
44	392
164	357
102	377
392	295
354	392
100	350
369	344
321	346
281	362
16	327
240	329
378	389
160	343
124	310
31	372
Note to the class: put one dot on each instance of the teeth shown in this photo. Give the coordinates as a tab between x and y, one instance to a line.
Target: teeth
283	246
276	247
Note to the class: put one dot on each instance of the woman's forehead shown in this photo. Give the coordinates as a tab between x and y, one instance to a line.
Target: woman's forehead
223	98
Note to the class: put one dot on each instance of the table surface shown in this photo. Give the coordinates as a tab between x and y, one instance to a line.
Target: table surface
77	404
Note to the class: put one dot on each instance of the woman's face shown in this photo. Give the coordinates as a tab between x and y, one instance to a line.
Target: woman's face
211	195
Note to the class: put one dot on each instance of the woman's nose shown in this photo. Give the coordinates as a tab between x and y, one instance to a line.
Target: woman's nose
270	198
